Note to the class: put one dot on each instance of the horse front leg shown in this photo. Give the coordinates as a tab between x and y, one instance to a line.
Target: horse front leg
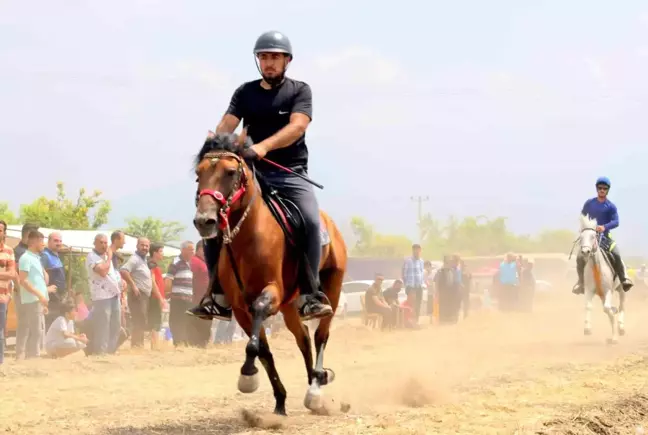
589	295
611	312
249	379
621	314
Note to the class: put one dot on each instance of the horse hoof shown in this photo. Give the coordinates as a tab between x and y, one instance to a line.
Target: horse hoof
314	399
587	331
248	384
622	332
612	340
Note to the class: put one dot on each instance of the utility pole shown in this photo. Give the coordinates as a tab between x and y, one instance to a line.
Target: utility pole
420	200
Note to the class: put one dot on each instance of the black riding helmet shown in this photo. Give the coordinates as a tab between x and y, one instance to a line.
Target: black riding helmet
272	42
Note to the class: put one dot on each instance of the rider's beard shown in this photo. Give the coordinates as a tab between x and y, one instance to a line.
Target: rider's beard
274	81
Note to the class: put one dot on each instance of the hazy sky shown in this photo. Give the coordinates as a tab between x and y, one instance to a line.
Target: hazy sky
499	108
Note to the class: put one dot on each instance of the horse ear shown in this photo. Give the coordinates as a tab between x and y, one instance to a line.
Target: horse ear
210	134
242	138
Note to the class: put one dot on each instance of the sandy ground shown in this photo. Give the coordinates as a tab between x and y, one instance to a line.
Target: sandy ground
491	374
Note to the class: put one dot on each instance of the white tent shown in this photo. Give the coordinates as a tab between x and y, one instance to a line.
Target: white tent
82	241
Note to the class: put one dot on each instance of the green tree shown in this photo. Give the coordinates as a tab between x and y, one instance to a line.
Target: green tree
371	244
153	229
473	235
7	215
88	212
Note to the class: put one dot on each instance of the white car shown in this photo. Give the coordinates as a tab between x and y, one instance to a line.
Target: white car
352	290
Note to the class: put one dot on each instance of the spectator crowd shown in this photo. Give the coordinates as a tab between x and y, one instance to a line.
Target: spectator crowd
448	289
127	299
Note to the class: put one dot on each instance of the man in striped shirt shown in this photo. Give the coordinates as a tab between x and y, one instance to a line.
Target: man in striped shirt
179	285
413	276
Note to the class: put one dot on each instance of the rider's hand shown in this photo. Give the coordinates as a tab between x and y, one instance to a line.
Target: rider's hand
600	229
255	152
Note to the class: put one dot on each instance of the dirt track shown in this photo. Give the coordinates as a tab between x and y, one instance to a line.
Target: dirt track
490	374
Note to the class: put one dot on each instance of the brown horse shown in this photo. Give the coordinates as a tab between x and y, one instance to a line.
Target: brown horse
260	273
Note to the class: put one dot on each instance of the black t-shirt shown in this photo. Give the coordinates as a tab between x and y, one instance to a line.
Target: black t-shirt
266	111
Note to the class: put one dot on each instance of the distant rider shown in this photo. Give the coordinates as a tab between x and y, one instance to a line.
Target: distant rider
607	218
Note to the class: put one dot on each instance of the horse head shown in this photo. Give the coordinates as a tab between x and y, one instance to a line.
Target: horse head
588	236
223	183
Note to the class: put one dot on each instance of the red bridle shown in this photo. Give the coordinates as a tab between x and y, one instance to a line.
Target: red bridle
234	196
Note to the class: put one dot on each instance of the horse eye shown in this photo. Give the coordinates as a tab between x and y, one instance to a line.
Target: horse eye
230	172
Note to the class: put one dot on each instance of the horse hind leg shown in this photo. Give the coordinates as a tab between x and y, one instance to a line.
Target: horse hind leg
332	284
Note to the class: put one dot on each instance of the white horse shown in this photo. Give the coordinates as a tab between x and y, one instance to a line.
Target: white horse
600	280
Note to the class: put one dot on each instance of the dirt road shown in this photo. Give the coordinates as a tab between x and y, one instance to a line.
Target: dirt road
491	374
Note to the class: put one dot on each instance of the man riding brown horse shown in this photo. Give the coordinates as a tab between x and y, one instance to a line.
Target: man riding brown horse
276	111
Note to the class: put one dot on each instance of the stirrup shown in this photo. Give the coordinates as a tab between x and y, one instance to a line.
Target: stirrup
323	310
208	309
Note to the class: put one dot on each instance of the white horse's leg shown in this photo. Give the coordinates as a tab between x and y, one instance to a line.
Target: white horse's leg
621	314
589	294
611	311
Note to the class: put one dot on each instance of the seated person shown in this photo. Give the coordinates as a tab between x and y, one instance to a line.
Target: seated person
391	294
375	303
61	340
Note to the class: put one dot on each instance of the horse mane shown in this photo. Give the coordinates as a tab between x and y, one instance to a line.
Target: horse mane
587	222
228	142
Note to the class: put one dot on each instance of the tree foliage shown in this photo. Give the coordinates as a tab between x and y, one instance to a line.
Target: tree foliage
155	230
7	215
474	235
87	212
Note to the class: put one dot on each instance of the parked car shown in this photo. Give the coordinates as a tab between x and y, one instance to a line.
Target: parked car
352	290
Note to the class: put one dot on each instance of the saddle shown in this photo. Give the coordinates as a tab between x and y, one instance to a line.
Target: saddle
291	221
288	216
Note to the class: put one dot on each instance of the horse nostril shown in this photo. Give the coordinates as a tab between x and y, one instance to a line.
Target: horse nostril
210	222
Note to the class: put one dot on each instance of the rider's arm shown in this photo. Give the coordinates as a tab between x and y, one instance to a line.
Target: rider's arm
614	218
585	209
228	124
233	115
301	115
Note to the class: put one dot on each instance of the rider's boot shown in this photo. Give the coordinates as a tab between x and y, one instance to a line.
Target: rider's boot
579	288
214	305
313	303
619	268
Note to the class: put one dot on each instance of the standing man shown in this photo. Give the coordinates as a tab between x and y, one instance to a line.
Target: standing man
276	110
7	275
199	329
179	285
54	267
138	278
105	290
20	249
413	274
34	296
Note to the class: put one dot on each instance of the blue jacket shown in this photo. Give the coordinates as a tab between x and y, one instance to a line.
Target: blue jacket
604	212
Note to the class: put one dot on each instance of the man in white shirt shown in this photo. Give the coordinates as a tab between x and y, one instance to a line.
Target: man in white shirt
105	289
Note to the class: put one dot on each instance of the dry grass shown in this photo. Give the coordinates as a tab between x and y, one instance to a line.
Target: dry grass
491	374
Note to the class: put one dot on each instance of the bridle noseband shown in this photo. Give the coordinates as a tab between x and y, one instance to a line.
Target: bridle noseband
238	191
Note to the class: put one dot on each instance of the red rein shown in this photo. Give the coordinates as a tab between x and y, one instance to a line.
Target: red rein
220	199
